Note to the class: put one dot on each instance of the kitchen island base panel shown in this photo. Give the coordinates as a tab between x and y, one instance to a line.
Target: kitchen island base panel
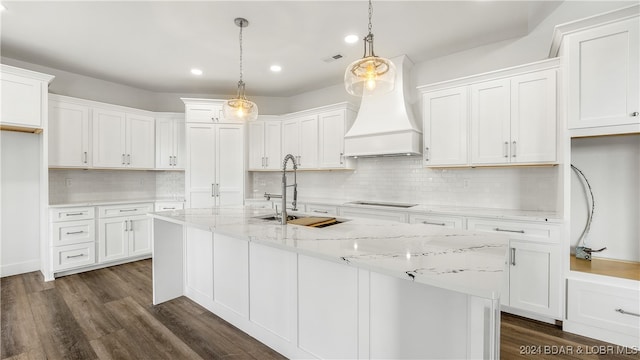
327	309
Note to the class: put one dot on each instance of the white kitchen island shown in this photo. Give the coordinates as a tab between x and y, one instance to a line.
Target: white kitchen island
356	290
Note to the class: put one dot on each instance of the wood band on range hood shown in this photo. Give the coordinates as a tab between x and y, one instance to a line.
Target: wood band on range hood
20	129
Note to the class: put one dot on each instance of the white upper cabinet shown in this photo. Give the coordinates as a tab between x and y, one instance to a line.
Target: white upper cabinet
264	145
170	141
490	122
332	125
533	117
300	139
603	73
498	118
140	141
513	120
24	97
69	134
109	138
123	140
445	131
204	111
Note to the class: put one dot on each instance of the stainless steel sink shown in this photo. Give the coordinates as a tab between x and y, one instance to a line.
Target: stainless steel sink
384	204
294	217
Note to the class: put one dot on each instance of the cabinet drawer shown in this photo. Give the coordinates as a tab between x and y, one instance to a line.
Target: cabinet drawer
452	222
604	306
124	210
169	205
72	214
70	256
374	214
321	209
516	229
204	113
73	232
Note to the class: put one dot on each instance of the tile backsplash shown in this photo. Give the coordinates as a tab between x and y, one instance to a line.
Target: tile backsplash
70	185
404	179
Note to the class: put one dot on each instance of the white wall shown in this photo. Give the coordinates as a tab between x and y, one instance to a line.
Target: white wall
20	211
612	166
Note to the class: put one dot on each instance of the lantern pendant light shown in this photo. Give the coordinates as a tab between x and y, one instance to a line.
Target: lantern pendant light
239	108
372	74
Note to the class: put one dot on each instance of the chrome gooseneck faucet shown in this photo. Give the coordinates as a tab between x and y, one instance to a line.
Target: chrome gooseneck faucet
288	157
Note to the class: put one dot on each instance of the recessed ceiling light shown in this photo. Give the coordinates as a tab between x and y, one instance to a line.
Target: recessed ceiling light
276	68
196	71
351	39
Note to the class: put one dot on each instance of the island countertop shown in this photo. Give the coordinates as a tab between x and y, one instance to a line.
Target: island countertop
457	260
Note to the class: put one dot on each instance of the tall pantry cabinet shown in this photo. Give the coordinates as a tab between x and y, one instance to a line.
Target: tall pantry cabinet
215	161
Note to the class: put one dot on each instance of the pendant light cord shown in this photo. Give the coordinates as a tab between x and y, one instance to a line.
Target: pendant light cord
370	16
241	26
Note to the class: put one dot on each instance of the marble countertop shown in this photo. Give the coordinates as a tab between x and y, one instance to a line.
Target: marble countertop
507	214
457	260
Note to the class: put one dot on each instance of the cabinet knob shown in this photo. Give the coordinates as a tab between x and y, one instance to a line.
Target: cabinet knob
635	113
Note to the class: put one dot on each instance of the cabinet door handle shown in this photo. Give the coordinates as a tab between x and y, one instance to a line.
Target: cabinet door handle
513	256
168	208
511	231
127	210
426	154
433	223
84	157
263	161
213	190
505	149
321	211
123	162
266	161
170	160
74	256
74	214
635	113
218	190
130	225
128	159
621	311
513	149
126	225
74	232
341	158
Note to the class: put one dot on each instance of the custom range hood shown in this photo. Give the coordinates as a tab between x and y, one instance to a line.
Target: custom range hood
385	125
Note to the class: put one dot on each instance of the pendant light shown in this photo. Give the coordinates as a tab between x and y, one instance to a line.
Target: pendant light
239	108
371	74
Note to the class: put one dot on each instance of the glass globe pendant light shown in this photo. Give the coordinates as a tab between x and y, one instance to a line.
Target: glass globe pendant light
371	74
240	108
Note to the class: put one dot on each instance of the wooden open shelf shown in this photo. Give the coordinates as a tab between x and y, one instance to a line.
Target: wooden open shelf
615	268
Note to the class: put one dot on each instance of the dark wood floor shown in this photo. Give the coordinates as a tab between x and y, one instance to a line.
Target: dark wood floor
107	314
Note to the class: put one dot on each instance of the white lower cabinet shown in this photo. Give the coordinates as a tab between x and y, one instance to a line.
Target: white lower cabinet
453	222
199	264
72	234
273	290
327	308
123	237
534	284
374	214
231	273
124	231
321	209
603	311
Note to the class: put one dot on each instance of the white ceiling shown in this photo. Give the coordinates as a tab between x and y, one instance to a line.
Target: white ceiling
152	45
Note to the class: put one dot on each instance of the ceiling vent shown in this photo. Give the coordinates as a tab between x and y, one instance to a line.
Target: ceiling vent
333	58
